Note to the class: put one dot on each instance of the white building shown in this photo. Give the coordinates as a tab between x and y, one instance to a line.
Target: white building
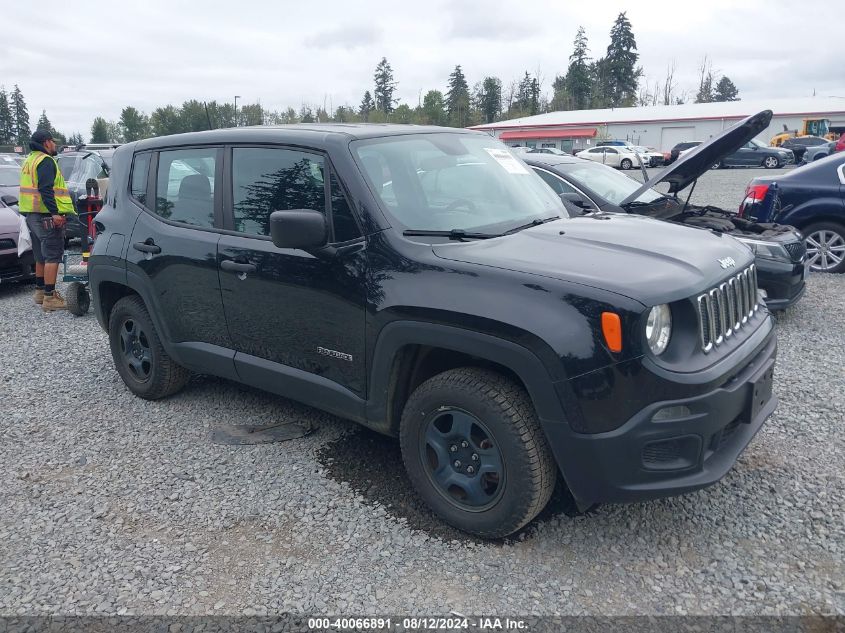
661	127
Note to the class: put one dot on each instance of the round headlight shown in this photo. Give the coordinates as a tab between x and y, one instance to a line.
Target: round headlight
658	328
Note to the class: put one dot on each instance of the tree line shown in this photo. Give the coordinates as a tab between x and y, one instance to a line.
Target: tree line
612	80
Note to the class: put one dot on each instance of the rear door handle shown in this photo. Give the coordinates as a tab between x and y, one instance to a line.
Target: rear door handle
147	247
237	267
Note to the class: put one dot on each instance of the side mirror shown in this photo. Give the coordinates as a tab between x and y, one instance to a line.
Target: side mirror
10	200
299	228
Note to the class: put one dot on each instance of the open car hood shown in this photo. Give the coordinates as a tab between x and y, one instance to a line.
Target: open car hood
689	167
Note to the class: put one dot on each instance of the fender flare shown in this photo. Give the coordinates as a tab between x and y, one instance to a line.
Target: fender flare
522	361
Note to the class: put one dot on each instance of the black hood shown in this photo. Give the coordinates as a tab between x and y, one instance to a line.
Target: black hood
689	167
647	260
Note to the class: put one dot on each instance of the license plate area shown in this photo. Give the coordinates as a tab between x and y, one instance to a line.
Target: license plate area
760	394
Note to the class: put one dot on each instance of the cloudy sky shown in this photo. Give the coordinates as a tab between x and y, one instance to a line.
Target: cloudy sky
83	59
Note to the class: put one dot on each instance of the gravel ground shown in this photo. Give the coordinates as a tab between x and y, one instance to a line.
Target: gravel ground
111	504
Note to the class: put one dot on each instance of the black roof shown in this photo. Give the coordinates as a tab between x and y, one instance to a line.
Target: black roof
298	132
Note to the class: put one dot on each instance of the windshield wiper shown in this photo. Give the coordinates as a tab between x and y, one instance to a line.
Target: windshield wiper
536	222
454	234
640	203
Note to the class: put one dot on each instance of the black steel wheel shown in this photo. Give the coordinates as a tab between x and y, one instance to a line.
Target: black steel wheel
77	298
138	354
474	451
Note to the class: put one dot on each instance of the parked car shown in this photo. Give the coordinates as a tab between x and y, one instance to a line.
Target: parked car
779	249
618	156
651	157
9	159
547	150
13	267
425	283
752	154
811	198
840	144
800	144
680	147
817	152
10	183
78	167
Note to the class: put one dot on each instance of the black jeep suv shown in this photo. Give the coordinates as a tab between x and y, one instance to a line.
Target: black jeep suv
425	283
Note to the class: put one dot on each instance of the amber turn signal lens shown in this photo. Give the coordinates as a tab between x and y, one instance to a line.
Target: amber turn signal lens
611	327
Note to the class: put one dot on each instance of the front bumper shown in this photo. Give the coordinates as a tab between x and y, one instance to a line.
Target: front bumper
695	444
14	268
783	281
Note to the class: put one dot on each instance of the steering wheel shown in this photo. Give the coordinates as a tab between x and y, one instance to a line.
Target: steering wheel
462	202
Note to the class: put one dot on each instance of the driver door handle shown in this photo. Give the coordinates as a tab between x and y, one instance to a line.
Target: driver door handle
237	267
147	247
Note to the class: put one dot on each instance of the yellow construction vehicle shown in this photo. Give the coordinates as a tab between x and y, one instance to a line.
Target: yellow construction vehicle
809	127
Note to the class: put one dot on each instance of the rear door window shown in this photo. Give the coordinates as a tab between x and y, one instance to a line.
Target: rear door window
138	179
185	186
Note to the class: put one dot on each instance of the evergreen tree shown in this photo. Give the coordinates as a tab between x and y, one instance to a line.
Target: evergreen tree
577	83
403	114
306	114
100	131
457	98
20	118
528	95
601	90
489	98
367	106
433	108
622	72
44	123
75	139
561	99
165	121
725	91
134	124
385	86
7	124
251	114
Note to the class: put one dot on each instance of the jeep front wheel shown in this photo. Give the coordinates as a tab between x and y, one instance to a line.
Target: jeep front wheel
138	354
474	451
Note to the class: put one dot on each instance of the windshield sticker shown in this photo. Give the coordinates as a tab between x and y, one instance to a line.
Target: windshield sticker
506	160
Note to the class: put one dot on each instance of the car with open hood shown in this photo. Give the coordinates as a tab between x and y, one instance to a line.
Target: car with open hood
779	249
425	283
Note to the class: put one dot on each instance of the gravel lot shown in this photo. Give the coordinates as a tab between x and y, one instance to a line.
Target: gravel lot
111	504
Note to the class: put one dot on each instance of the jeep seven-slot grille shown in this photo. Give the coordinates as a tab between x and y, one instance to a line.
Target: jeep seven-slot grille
725	309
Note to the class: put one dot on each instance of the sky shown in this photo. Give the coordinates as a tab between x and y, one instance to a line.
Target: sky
85	59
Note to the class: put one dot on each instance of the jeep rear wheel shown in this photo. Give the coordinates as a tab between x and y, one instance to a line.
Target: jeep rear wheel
474	451
138	354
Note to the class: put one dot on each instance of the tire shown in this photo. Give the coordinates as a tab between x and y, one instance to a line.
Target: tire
830	235
77	298
771	162
626	163
470	416
139	357
820	156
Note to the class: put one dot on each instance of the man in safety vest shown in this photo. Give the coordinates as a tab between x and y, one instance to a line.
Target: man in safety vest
45	200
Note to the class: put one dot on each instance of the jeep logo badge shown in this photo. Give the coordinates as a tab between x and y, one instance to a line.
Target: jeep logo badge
727	262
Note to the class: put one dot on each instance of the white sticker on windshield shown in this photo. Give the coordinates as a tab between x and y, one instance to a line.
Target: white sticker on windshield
506	160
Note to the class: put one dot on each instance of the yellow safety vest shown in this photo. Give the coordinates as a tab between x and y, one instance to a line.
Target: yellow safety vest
29	200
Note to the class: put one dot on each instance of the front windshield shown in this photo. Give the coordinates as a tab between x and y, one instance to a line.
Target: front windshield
613	185
443	182
66	164
10	176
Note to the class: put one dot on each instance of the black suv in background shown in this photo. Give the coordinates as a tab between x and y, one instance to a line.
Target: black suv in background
680	147
425	283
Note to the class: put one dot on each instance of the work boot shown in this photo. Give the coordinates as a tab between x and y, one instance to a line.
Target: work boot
53	302
38	296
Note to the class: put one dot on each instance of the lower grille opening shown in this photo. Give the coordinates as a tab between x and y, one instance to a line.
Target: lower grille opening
674	453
